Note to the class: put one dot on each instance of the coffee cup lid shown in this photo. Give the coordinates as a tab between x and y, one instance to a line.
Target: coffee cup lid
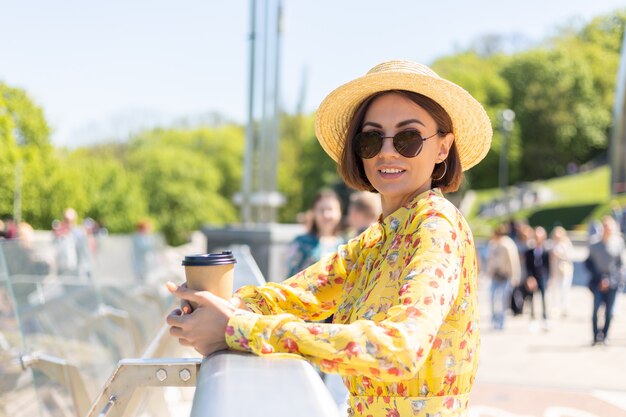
210	259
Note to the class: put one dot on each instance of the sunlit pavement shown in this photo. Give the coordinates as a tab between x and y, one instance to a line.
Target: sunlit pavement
529	369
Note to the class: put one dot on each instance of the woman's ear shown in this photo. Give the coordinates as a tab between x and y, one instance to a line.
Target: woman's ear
444	146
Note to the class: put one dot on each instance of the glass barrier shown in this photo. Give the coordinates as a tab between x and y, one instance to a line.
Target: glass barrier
18	396
61	336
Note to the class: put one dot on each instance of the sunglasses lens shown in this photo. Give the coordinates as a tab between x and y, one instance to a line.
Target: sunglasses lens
368	144
408	143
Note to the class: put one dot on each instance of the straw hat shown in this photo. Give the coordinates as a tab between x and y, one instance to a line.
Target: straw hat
471	125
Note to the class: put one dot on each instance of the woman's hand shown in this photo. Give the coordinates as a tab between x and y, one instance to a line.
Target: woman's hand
205	328
186	307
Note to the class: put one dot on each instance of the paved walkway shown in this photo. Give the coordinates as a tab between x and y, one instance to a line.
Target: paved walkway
528	371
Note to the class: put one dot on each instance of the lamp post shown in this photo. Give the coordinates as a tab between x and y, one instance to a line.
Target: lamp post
506	122
17	192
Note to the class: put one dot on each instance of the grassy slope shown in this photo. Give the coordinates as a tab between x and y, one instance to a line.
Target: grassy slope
587	188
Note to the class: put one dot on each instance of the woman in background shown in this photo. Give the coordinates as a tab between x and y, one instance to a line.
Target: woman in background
561	269
323	236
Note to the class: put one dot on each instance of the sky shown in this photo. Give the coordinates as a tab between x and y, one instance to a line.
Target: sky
103	70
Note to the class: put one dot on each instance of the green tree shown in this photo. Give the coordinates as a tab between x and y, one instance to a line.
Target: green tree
304	168
221	147
559	114
599	44
480	76
182	187
108	192
24	142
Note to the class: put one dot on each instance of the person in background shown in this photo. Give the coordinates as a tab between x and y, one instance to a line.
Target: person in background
503	266
594	231
561	269
538	273
73	256
10	229
403	294
323	236
606	263
513	228
525	236
144	245
363	211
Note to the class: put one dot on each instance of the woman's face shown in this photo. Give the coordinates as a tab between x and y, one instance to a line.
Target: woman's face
327	214
394	176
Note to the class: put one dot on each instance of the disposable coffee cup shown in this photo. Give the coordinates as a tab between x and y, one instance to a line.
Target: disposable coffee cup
212	272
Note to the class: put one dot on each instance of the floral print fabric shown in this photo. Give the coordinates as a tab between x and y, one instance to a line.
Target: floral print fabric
404	335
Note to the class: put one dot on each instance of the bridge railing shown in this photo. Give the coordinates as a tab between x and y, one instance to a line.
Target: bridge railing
65	344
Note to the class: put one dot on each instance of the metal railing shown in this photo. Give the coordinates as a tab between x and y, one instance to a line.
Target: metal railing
97	321
238	384
131	374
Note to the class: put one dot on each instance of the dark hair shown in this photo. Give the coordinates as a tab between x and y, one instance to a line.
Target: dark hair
321	194
501	230
351	166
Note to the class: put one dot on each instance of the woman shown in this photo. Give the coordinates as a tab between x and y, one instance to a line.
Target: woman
561	268
503	266
403	294
323	236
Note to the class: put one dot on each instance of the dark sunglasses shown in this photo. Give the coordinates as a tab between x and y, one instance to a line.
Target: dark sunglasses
408	143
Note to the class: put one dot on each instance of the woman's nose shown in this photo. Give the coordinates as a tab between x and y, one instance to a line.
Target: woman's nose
388	149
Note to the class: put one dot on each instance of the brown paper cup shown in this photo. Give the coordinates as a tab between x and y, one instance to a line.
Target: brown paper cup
212	272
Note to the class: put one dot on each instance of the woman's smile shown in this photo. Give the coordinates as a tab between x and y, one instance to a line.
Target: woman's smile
391	173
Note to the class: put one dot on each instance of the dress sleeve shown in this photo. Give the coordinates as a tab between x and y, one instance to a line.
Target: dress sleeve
311	294
392	349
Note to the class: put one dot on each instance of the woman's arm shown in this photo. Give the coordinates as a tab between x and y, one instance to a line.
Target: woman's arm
392	349
310	294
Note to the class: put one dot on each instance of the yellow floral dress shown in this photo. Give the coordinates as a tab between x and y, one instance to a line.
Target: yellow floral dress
405	331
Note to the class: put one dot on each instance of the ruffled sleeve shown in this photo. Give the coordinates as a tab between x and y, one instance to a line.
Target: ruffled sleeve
390	349
311	294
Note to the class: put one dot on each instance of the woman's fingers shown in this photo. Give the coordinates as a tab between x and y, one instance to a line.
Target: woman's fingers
186	307
184	293
176	332
176	318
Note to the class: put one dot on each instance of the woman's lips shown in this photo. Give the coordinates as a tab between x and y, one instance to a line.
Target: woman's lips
391	173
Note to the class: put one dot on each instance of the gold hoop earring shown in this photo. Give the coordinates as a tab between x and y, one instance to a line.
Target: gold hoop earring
445	169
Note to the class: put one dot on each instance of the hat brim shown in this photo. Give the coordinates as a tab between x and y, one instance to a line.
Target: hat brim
471	125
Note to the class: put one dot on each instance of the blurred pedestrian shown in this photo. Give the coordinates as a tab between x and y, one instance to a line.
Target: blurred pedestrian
538	273
144	245
503	266
363	211
606	263
323	236
594	231
10	229
561	269
73	256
